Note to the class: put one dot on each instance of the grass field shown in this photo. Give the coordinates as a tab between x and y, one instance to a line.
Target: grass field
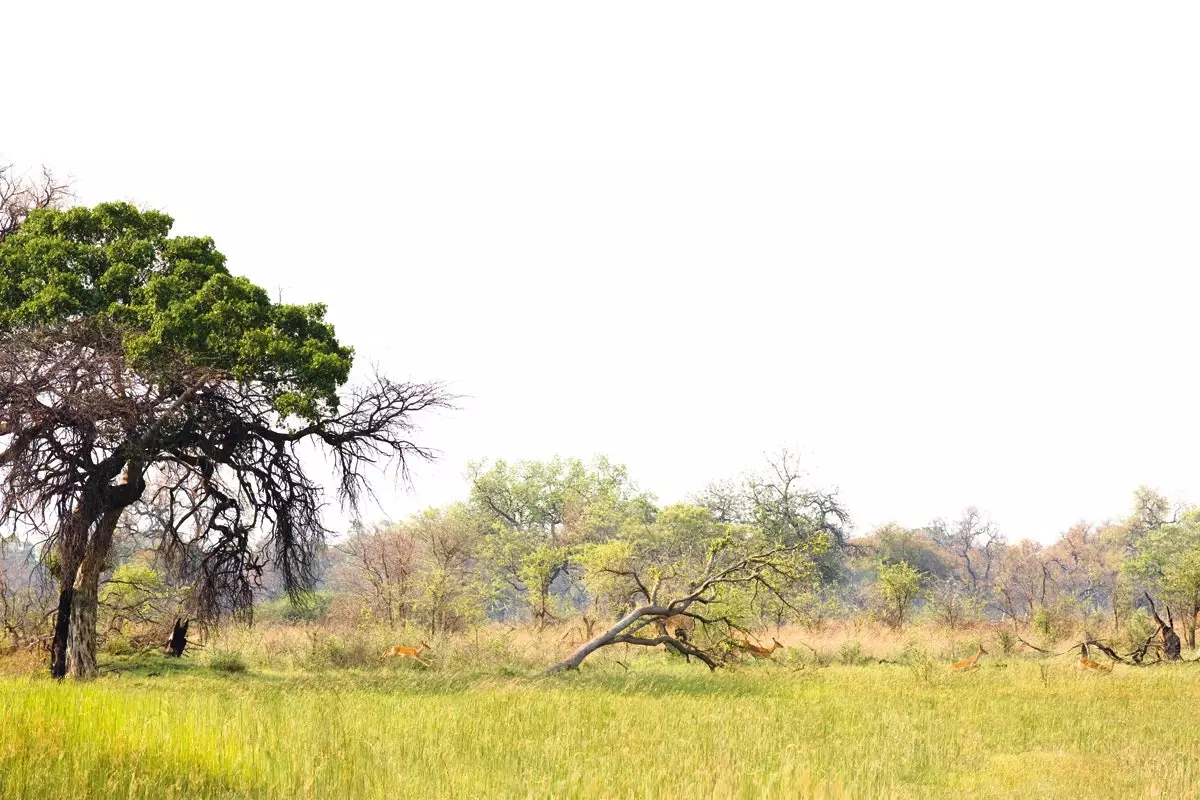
659	730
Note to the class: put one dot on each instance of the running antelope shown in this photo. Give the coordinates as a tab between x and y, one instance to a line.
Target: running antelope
968	663
759	652
410	652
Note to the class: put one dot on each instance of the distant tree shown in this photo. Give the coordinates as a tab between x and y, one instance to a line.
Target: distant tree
972	544
950	604
898	585
1024	580
1166	563
132	359
539	512
890	543
685	563
21	194
1087	563
452	590
379	569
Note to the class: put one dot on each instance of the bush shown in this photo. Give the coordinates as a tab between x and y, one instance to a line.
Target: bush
1138	628
921	664
851	653
1008	642
226	661
312	607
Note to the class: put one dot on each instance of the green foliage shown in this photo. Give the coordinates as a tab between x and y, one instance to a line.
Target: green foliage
1138	628
892	544
541	513
898	585
850	653
305	607
172	300
950	603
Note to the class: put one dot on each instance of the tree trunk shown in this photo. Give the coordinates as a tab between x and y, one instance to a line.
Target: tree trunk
81	637
72	538
62	622
616	635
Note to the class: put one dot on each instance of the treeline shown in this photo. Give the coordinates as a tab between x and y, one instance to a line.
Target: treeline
544	542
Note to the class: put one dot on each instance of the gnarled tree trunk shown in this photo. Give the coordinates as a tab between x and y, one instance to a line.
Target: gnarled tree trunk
81	637
72	538
1170	639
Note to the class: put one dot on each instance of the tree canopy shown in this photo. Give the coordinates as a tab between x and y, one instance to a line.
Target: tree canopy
133	359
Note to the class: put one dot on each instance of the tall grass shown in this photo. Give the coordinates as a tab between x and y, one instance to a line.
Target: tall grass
658	729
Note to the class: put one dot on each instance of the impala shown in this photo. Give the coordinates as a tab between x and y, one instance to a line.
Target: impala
1085	664
410	652
759	652
968	663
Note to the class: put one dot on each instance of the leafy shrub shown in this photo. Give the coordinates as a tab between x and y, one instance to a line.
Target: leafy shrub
308	607
921	664
1138	628
1008	642
851	653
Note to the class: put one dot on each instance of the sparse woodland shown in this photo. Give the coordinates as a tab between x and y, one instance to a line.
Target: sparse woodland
152	407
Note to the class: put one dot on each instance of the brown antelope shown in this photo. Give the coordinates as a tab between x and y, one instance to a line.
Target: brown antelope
410	652
1085	664
968	663
759	652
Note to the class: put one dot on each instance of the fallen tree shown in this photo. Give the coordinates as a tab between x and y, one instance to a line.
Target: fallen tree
686	563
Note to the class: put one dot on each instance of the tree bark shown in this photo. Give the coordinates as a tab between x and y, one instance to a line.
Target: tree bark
1170	639
62	623
81	637
72	537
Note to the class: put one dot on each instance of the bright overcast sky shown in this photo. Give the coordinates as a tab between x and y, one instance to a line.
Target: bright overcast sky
946	250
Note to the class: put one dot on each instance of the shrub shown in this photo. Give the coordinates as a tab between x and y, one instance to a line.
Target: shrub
921	664
851	653
311	607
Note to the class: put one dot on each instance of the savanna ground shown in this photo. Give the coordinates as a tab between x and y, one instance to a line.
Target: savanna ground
294	713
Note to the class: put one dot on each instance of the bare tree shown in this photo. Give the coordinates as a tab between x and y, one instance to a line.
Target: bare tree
81	432
20	194
380	569
975	545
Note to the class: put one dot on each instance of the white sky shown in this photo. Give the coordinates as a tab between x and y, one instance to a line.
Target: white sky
947	250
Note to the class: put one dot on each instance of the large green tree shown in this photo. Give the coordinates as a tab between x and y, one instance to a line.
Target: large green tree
130	357
539	513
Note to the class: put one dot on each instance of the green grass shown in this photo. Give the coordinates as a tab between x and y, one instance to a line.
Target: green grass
659	730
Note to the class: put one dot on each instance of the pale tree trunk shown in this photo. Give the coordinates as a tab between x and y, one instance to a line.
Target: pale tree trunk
604	639
617	635
81	635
